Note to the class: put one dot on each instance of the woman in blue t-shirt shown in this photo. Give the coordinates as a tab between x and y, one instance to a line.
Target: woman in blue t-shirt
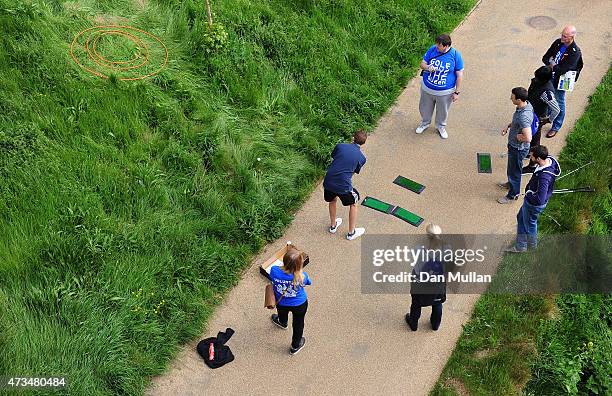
288	283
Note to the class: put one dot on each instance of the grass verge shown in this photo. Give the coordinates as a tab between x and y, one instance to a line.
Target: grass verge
554	344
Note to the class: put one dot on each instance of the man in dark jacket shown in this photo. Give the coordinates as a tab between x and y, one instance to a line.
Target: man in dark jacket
562	56
428	289
541	95
537	193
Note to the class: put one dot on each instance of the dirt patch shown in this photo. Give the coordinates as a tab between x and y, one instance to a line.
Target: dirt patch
583	221
72	6
457	386
105	19
483	353
141	4
527	346
551	309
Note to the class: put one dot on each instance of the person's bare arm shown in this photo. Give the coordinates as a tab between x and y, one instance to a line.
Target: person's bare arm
459	74
425	66
505	130
525	135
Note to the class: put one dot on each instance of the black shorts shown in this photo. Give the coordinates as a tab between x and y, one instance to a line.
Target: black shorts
347	199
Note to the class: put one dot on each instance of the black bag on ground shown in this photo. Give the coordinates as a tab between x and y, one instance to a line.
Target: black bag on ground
214	351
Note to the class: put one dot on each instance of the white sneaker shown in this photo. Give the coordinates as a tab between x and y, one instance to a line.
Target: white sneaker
442	132
333	229
421	128
359	231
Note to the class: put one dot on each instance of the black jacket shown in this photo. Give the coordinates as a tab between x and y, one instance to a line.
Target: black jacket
534	94
218	354
424	291
571	60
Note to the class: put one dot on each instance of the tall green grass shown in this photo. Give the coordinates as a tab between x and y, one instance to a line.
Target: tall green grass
128	208
555	344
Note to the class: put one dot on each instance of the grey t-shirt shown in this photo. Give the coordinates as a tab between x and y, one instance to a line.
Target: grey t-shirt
522	118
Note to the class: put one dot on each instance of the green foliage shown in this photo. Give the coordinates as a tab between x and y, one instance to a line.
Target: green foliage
587	213
209	39
551	345
575	349
117	196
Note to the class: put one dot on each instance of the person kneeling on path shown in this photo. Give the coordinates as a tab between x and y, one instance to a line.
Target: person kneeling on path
519	136
288	283
442	71
541	95
537	193
425	293
347	159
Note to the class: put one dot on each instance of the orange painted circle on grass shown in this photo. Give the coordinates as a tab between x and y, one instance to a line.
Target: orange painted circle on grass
100	65
103	61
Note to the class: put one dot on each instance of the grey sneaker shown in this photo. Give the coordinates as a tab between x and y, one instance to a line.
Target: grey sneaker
506	200
442	132
514	249
505	185
333	229
277	322
359	231
294	351
421	128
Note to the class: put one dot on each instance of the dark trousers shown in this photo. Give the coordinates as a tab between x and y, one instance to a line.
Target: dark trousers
299	312
415	314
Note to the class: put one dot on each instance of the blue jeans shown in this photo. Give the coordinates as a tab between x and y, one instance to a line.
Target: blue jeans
558	122
513	170
527	225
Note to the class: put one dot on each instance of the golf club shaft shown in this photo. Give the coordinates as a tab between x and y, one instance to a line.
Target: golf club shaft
575	170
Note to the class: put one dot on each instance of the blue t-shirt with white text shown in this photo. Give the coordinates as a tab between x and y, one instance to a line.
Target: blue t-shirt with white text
444	78
560	53
282	282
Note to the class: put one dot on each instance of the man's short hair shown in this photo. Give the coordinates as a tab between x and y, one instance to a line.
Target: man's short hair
360	137
444	39
520	93
540	152
543	74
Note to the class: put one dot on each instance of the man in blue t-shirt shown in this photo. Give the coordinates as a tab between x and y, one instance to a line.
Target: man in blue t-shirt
347	159
442	76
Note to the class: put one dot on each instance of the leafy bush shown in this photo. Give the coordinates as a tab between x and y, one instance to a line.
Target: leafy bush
575	350
209	39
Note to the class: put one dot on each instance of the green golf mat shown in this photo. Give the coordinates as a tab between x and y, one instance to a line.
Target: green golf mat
376	204
484	163
409	184
407	216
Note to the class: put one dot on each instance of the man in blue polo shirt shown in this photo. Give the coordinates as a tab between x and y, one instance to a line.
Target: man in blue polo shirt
442	76
338	182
